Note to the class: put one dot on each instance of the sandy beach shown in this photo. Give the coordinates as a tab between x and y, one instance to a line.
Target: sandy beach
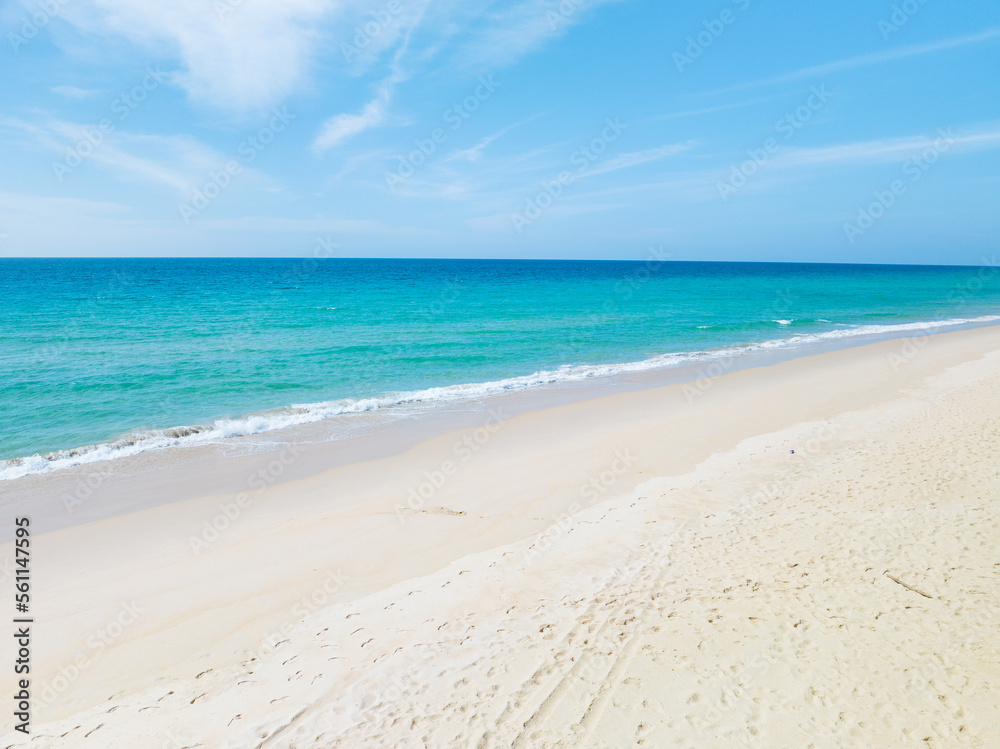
797	555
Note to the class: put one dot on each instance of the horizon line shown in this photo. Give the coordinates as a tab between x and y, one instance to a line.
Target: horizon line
497	260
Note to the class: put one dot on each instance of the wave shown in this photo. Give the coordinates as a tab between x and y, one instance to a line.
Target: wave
295	415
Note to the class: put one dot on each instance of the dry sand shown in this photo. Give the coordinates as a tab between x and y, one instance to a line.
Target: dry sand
646	569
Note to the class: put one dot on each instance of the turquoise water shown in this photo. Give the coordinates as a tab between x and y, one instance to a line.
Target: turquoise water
102	358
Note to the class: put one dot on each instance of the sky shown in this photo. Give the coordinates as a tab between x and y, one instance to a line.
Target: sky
829	131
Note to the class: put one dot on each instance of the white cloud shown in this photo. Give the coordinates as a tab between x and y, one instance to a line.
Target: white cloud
501	222
491	36
374	27
635	159
709	110
507	35
889	150
320	225
865	60
339	128
476	152
34	207
179	162
236	54
72	92
793	164
454	189
246	55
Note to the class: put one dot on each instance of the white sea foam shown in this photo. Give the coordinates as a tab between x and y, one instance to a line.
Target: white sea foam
265	421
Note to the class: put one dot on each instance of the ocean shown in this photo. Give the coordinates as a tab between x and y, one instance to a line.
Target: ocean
103	358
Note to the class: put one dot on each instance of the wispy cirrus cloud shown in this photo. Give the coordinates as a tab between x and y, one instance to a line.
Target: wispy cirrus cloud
712	110
339	128
795	164
887	150
35	206
500	222
72	92
860	61
502	35
475	152
483	34
175	161
243	56
637	158
178	162
320	225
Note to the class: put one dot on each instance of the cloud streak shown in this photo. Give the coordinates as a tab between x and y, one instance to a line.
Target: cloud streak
475	152
506	36
628	160
860	61
339	128
174	161
882	151
72	92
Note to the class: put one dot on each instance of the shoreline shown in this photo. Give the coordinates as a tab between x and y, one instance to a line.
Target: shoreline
316	551
90	492
564	376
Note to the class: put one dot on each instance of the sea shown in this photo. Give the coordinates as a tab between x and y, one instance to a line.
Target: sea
106	358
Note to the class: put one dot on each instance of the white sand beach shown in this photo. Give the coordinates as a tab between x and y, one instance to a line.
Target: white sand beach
797	555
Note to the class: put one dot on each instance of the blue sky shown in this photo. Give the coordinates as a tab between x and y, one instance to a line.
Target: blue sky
843	131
